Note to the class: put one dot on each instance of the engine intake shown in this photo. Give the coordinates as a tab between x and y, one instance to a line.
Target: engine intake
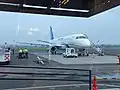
53	50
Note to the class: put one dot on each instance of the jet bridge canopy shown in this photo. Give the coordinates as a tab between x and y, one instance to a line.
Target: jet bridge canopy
76	8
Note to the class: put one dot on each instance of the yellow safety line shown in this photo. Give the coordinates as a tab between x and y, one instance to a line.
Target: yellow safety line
65	2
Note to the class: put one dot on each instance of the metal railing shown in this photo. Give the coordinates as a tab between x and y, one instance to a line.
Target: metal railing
79	75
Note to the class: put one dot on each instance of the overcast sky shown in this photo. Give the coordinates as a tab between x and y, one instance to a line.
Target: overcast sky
29	27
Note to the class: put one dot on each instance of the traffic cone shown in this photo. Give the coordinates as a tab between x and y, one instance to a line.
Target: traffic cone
95	87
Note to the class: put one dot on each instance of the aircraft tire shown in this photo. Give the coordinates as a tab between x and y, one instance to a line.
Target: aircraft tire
55	52
79	54
83	54
87	54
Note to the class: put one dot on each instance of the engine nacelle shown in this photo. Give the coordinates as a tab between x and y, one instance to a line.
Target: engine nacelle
53	50
64	47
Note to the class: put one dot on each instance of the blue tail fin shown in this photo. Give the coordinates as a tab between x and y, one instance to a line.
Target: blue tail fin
51	33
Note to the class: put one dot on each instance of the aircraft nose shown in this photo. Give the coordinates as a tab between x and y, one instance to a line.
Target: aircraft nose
86	43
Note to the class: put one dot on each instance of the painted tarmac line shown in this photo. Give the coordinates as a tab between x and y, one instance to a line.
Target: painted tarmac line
56	86
108	77
41	87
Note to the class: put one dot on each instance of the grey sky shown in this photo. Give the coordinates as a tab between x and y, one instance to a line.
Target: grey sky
104	27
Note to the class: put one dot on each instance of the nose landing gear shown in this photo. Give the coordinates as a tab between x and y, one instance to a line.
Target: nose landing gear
83	52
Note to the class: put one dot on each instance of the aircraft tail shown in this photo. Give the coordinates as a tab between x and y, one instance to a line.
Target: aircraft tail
51	33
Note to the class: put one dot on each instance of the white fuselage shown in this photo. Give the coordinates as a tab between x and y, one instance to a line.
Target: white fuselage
74	41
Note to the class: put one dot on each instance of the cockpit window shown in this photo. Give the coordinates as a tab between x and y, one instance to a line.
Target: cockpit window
80	37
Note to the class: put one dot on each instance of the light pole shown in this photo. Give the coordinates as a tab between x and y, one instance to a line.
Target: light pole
49	55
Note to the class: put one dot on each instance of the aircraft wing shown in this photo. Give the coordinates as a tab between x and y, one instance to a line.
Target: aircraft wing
45	42
53	44
28	43
49	43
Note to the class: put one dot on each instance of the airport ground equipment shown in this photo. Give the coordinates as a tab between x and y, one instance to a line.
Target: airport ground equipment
70	52
7	53
5	56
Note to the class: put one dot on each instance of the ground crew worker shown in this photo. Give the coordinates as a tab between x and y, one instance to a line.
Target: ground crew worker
93	55
20	53
119	58
26	52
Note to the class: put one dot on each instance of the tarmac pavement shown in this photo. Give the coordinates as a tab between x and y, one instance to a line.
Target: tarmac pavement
52	85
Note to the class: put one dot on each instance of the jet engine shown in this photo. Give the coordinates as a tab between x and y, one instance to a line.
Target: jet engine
53	50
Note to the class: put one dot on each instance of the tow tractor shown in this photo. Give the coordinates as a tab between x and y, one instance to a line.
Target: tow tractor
70	52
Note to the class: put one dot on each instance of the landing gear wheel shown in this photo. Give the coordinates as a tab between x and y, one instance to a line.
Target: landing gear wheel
52	52
87	54
79	54
83	54
55	52
75	56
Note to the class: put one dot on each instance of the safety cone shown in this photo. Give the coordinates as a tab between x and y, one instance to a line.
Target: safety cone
95	87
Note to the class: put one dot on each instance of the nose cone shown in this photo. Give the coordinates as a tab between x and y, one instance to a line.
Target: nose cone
84	43
87	43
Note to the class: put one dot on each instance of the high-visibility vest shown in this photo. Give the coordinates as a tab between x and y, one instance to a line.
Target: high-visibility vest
25	50
20	51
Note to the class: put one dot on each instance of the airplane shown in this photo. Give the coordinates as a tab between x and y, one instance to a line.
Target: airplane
77	41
